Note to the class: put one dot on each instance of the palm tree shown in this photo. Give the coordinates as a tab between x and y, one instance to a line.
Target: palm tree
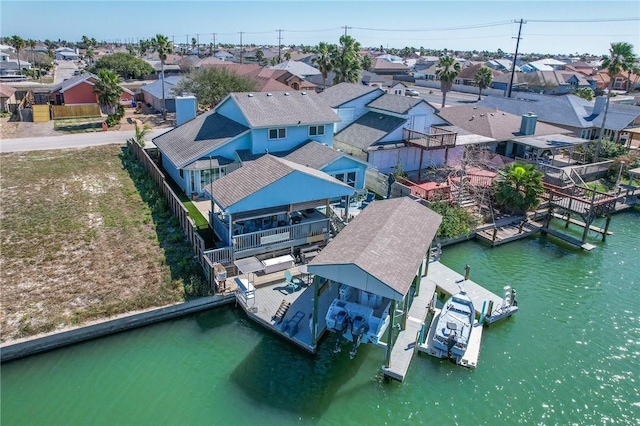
259	55
323	59
86	40
367	62
32	45
448	70
346	60
163	48
18	43
108	90
141	133
90	54
635	70
287	56
518	187
620	58
483	79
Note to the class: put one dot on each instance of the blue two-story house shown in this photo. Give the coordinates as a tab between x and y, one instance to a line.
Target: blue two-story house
276	149
245	126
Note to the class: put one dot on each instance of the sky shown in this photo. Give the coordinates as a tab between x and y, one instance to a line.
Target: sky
550	26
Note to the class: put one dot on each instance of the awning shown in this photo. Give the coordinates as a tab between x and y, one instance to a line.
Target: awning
248	265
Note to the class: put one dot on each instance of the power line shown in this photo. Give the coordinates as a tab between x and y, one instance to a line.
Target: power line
463	27
576	21
515	58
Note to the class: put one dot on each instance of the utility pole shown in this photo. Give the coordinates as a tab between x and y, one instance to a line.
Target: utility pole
279	44
198	41
515	57
241	46
214	43
345	29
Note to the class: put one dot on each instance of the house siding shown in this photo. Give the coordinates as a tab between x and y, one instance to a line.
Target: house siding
347	165
80	94
294	137
359	108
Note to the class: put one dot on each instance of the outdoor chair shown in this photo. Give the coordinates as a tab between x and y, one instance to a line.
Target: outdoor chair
292	282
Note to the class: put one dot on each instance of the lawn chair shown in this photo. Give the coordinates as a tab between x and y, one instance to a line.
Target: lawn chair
293	283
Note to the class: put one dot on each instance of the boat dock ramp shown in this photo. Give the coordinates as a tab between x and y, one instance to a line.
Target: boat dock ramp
445	280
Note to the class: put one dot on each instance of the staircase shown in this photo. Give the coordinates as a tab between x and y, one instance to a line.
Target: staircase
462	198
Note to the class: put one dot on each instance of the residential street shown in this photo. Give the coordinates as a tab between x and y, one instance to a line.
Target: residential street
81	140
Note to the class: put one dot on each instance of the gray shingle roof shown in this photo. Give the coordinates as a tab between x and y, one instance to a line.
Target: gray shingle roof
155	88
387	240
284	109
70	82
394	103
492	123
257	175
297	68
314	155
369	129
566	110
192	140
340	94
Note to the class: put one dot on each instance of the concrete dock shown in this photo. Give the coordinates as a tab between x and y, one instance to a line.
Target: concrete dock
404	347
450	282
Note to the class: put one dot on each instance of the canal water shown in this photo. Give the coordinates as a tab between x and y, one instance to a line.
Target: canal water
570	356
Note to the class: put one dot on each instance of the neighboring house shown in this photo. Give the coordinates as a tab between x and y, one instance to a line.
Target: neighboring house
7	97
620	81
384	67
547	64
297	68
371	79
503	65
515	136
153	93
66	54
169	69
581	117
467	75
386	130
545	82
225	56
394	87
320	82
9	66
245	126
79	90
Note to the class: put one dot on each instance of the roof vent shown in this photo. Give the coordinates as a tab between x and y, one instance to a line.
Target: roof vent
250	95
475	107
481	115
303	93
472	117
286	93
269	94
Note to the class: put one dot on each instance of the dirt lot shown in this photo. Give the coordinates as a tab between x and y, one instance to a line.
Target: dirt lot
84	236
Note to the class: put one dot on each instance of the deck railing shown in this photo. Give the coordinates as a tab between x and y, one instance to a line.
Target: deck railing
437	138
283	234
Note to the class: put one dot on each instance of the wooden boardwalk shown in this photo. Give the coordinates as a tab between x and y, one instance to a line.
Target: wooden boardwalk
504	234
451	282
581	224
405	344
566	238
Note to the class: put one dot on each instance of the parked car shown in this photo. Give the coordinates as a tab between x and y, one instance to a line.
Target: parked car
411	92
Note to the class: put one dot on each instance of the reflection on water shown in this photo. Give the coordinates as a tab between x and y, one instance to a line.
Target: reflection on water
570	355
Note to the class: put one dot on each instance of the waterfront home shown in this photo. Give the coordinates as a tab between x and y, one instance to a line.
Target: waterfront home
388	131
581	117
515	136
245	126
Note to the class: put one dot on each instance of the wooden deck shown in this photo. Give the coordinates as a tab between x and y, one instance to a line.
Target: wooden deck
504	234
451	282
404	346
581	224
271	290
566	238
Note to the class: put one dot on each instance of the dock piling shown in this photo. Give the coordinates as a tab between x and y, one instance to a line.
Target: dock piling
466	272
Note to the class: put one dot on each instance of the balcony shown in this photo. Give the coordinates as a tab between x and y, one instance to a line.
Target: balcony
437	138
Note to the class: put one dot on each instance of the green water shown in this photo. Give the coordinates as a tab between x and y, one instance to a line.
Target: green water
570	356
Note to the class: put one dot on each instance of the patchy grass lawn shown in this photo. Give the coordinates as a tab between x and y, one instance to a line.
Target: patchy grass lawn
84	236
78	125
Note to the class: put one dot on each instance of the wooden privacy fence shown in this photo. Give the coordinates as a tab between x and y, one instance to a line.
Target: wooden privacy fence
187	224
75	111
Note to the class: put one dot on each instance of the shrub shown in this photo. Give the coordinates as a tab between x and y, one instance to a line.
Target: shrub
456	221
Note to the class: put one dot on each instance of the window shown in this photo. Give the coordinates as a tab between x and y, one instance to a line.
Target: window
397	91
277	133
351	179
316	130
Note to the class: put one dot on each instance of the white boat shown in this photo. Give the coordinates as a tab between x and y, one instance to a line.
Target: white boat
358	316
453	328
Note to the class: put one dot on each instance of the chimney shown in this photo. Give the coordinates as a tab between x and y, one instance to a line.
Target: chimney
598	107
528	124
185	109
